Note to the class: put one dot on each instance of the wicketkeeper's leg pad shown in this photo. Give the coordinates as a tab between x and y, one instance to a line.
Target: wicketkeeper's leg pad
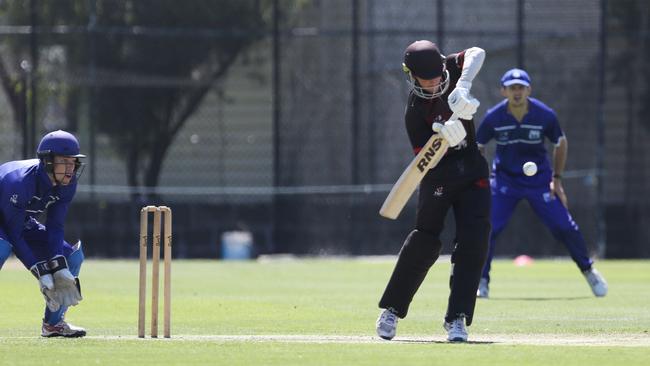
5	251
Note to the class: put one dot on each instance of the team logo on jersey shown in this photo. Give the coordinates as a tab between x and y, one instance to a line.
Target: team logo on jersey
534	135
547	197
439	191
14	199
51	201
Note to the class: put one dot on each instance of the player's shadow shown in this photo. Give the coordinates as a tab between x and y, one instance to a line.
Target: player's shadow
550	298
433	341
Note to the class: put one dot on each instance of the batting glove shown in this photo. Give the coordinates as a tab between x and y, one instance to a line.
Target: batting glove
462	103
452	131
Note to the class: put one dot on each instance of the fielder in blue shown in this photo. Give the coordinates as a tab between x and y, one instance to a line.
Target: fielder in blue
519	124
29	188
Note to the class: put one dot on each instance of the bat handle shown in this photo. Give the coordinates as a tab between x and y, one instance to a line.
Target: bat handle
436	127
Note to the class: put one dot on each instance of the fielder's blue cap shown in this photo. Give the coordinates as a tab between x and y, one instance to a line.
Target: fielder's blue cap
515	76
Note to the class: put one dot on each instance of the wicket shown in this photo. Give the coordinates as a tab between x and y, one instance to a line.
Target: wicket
166	212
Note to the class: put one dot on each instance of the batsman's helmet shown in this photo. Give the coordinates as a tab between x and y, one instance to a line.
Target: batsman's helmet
60	143
423	59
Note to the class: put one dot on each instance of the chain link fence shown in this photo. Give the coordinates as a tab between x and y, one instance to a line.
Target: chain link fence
300	138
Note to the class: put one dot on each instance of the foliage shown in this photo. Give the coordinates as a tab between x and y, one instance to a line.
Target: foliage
181	66
148	64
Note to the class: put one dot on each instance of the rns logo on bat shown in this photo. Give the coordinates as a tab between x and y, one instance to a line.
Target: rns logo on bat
428	155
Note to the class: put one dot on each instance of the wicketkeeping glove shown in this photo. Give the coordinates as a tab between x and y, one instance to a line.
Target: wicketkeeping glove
67	291
46	284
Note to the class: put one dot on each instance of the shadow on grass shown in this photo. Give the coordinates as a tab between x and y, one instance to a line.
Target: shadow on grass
559	298
432	341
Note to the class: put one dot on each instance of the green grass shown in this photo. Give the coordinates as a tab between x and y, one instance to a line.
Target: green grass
537	315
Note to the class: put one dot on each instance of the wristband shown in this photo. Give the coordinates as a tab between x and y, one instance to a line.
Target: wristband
39	269
464	84
57	263
557	176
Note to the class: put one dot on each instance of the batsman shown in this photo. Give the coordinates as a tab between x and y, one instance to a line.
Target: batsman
29	188
440	86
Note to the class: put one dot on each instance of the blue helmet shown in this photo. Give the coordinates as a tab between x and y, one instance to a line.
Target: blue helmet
59	143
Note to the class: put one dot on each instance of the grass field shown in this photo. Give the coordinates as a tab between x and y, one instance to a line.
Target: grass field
322	312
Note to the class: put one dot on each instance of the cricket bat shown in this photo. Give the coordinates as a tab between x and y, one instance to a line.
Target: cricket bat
428	157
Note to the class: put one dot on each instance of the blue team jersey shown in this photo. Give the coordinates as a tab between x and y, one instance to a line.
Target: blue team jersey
26	192
519	142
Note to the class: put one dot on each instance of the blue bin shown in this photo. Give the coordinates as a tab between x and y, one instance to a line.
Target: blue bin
236	245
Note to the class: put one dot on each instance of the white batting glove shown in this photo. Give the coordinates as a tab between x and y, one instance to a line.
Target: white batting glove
452	131
461	102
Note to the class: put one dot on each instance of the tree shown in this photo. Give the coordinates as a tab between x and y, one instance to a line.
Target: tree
153	60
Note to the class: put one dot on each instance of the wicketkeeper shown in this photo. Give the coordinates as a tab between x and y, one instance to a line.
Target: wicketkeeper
32	187
440	86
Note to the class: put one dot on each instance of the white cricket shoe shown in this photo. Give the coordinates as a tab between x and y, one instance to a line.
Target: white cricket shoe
387	324
62	329
483	289
596	281
456	331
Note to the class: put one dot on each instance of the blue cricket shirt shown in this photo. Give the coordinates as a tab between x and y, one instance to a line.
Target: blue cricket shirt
519	142
26	192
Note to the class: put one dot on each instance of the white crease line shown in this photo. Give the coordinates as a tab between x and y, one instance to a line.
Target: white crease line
640	340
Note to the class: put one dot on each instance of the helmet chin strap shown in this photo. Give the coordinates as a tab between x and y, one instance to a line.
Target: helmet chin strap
55	180
49	168
58	182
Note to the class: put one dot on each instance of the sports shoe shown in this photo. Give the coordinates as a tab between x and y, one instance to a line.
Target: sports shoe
596	281
62	329
387	324
456	331
483	289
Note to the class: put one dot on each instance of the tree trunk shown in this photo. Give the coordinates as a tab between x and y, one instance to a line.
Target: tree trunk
132	171
156	159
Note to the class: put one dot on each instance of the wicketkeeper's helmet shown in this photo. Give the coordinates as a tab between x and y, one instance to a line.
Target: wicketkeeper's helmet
60	143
